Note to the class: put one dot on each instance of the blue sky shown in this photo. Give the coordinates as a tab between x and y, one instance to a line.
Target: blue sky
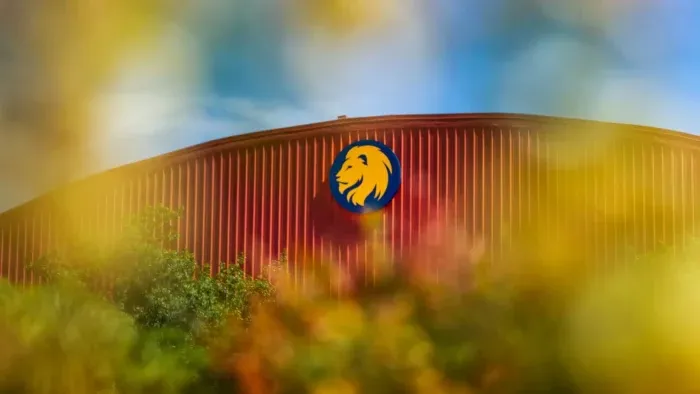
254	72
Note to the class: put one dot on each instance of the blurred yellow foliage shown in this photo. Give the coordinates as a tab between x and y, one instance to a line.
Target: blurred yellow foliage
344	18
72	48
61	342
634	330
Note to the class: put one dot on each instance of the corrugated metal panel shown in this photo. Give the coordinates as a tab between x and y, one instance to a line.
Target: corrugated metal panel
264	194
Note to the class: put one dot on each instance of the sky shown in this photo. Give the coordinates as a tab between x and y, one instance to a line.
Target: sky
238	66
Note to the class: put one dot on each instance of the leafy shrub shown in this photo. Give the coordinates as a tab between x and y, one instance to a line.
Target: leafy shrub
62	339
160	287
627	330
174	305
406	333
398	336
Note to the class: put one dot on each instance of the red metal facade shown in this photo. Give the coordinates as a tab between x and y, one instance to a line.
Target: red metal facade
491	175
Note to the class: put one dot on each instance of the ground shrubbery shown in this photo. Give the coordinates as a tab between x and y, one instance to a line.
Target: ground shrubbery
628	330
162	324
131	317
403	335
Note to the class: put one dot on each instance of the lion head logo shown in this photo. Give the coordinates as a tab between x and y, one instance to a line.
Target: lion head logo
365	176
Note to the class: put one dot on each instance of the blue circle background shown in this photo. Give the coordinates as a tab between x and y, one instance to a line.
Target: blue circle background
371	204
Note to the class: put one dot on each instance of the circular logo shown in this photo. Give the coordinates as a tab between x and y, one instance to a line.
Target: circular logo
365	176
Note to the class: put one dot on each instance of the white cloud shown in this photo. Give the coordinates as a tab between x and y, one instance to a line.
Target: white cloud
155	124
273	115
150	97
389	69
154	105
561	76
638	100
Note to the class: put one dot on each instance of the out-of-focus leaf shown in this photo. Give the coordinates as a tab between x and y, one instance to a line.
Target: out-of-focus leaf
343	18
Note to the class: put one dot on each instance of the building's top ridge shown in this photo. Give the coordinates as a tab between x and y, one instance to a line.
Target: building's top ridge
343	122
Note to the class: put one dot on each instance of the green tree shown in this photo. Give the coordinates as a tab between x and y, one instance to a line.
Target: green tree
160	287
175	306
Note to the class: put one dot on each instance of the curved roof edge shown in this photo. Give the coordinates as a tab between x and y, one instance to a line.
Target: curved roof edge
423	120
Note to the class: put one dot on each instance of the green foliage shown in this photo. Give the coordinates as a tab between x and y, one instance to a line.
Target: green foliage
62	339
171	305
170	290
160	287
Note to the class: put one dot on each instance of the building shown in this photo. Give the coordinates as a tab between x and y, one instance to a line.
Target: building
494	176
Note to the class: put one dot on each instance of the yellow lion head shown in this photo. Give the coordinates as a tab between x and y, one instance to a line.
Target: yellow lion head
366	169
